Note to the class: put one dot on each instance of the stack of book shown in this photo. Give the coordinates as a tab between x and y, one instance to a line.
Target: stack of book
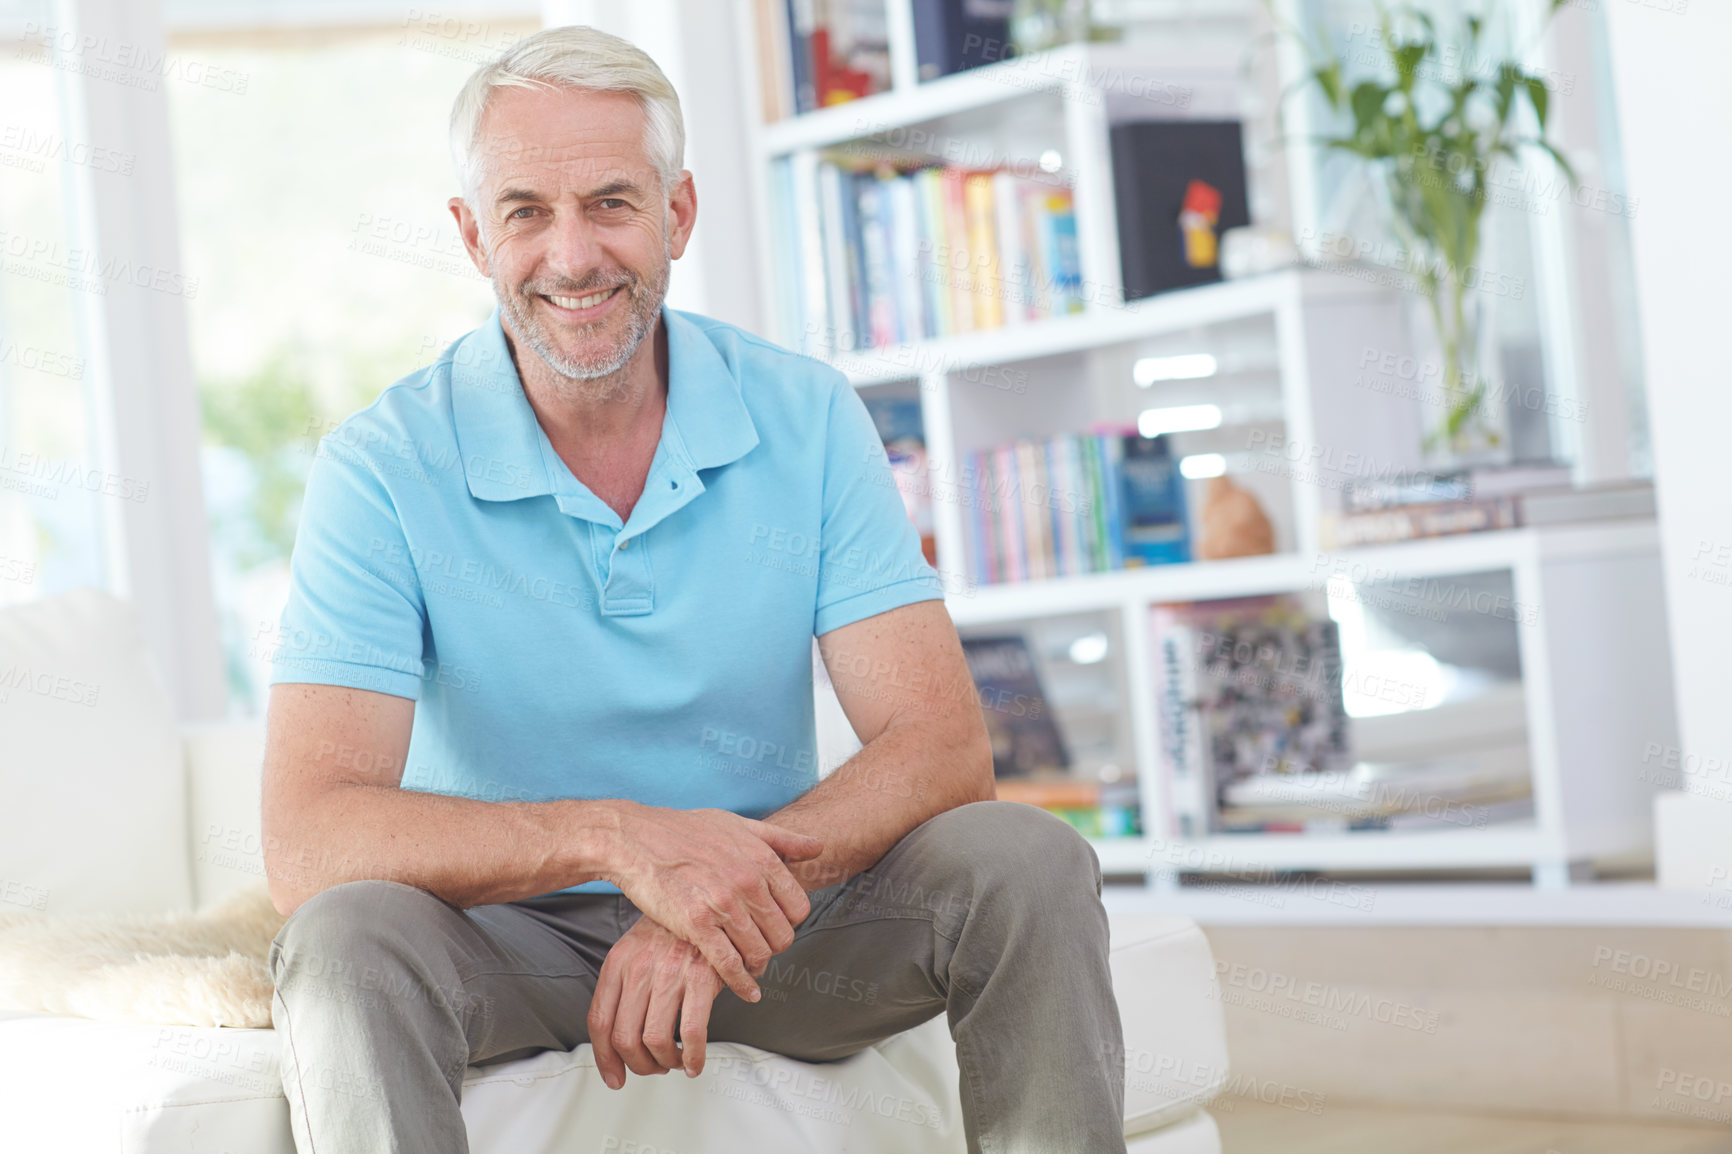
1413	505
1247	689
1092	808
815	53
1083	503
884	253
1463	791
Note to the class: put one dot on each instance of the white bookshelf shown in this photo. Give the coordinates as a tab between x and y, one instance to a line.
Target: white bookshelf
1595	689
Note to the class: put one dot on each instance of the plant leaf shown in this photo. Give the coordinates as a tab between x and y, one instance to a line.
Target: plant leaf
1539	96
1368	99
1328	79
1407	58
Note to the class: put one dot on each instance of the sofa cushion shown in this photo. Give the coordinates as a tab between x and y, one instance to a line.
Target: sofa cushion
80	1087
1175	1035
83	1087
94	818
223	764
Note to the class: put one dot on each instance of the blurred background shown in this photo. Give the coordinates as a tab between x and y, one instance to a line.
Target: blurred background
1314	410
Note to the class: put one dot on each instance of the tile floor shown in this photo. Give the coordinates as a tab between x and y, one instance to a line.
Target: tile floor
1250	1127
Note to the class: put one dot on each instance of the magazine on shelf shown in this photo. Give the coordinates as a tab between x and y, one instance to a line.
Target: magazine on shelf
1024	734
1246	688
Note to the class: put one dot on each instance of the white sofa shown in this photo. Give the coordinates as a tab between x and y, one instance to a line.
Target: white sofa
108	806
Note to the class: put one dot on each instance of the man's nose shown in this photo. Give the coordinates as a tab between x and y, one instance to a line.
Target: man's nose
574	248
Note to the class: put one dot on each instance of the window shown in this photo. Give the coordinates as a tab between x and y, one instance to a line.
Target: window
313	209
50	530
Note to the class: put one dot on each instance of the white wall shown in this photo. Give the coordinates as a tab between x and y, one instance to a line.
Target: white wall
1674	97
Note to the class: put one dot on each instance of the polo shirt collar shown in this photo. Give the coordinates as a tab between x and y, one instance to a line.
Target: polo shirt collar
506	453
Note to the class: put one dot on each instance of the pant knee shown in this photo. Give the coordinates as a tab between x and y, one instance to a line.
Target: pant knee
1023	845
340	935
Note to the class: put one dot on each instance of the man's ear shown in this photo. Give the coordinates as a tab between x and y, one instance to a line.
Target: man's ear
469	228
683	212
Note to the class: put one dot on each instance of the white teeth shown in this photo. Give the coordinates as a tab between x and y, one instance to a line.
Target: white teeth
589	301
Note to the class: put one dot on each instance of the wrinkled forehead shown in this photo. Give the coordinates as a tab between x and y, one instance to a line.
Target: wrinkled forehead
562	141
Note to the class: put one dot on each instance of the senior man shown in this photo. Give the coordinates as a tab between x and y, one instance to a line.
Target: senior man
541	736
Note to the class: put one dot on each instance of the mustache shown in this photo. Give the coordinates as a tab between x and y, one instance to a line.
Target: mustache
566	287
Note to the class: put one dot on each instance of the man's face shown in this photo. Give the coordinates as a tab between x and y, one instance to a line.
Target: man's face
573	226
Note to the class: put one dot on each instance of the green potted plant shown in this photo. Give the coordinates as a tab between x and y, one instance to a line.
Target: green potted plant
1431	124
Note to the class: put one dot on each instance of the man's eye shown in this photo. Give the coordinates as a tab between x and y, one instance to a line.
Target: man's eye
518	215
615	202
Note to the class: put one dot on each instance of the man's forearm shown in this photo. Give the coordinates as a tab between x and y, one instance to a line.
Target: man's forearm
905	775
466	851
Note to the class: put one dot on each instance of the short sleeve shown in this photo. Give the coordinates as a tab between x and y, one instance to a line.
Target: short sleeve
354	616
869	559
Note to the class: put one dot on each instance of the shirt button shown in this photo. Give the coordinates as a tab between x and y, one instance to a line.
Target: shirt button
623	543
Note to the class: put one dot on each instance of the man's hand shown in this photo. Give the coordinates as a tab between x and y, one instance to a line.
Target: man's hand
719	881
650	983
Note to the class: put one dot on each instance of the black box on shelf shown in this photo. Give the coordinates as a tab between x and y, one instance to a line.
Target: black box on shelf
1178	185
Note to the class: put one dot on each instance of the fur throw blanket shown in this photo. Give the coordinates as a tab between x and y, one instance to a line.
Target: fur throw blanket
205	969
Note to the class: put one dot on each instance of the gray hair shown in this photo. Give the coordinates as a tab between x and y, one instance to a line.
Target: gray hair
579	57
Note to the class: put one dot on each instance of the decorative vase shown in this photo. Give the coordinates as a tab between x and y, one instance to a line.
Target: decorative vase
1466	421
1037	25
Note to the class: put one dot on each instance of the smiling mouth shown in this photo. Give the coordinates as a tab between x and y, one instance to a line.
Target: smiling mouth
581	303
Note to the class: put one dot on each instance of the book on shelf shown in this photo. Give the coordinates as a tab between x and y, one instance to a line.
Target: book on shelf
1245	688
1461	790
1409	522
902	430
1074	504
1178	185
955	35
1429	488
890	249
1020	724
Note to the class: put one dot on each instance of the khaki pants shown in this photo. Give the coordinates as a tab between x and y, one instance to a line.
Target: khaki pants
989	914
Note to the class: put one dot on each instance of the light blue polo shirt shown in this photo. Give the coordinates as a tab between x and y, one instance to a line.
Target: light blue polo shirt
447	555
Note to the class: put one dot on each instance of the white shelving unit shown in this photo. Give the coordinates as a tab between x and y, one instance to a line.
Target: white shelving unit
1595	691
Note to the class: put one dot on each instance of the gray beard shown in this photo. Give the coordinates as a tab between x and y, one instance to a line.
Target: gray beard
598	377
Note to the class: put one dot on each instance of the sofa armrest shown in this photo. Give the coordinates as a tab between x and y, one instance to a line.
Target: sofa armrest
223	763
1175	1035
